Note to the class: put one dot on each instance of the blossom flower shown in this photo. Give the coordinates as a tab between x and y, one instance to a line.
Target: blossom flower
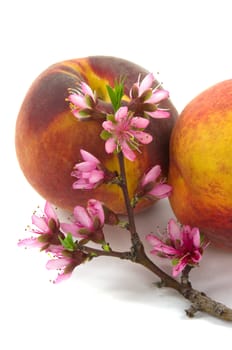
148	97
183	245
65	261
47	229
89	173
88	222
151	187
125	132
82	101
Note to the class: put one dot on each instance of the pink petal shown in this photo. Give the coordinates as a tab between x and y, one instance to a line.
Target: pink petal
30	243
159	114
196	256
108	125
77	100
174	230
152	175
50	212
146	83
158	96
96	176
85	166
140	123
87	90
40	223
56	264
110	145
71	228
161	191
153	240
62	277
95	209
179	267
82	217
127	151
196	237
88	157
82	186
121	114
143	137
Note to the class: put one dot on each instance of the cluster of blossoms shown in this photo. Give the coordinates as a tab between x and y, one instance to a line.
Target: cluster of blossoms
56	238
182	244
124	129
123	132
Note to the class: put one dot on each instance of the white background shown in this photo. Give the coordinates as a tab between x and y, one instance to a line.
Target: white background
107	304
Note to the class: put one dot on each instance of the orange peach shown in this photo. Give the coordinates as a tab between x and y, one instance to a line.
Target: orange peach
201	164
49	138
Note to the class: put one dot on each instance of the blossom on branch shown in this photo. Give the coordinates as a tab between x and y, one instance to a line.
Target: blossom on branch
88	222
65	261
151	187
124	132
147	97
82	101
89	173
182	244
46	227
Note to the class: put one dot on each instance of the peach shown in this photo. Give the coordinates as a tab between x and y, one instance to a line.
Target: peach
201	164
49	138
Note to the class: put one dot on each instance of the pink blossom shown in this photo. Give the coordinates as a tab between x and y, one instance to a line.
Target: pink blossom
183	245
150	186
82	101
148	97
89	173
46	227
88	222
65	261
125	133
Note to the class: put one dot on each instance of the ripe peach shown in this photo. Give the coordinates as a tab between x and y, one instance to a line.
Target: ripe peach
49	138
201	164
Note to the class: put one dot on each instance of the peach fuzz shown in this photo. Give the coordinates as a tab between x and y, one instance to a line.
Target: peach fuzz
201	164
48	137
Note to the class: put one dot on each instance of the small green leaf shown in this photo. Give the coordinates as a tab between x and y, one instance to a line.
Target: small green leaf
105	135
175	262
116	93
68	242
106	247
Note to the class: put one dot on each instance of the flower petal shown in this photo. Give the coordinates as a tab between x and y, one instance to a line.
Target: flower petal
152	175
77	100
56	264
96	176
143	137
110	145
95	209
88	157
174	230
196	237
161	191
127	151
30	243
158	96
139	122
86	89
159	114
50	212
71	228
85	166
146	83
82	217
40	223
177	269
121	114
